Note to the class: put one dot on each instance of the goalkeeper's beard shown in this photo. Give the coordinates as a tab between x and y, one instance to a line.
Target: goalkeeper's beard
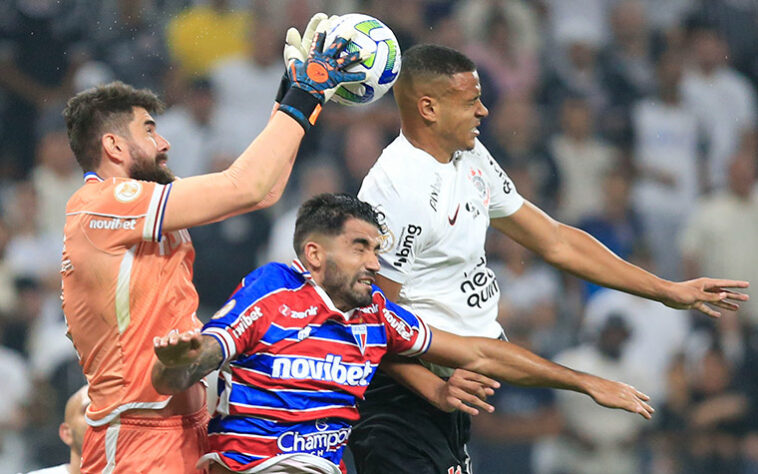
146	169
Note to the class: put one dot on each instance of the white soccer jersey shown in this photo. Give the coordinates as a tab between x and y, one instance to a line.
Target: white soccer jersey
434	219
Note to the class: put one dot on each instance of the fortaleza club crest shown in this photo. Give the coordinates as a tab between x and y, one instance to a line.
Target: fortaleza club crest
359	334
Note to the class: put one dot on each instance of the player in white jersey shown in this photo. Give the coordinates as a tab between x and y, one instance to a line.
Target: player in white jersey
438	190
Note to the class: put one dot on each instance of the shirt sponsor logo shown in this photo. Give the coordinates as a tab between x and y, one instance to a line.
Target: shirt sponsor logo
480	285
127	191
372	309
331	369
246	319
405	244
291	313
224	310
399	325
115	223
315	443
453	219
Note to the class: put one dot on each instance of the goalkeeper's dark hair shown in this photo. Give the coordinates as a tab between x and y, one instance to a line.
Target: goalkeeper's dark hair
103	109
326	214
434	60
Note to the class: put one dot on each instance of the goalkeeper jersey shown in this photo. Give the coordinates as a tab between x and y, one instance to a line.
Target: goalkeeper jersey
434	218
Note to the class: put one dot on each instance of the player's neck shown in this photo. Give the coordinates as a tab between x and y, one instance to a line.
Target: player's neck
74	465
429	143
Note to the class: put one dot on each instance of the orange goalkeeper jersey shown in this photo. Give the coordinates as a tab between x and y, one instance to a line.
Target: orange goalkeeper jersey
123	284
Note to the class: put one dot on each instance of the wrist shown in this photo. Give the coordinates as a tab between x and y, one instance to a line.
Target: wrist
301	105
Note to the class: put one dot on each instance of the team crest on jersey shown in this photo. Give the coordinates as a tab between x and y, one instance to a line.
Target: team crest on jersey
359	334
127	191
224	310
475	175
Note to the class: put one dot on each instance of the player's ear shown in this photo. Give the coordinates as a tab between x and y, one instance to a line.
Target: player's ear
114	147
314	255
427	108
64	431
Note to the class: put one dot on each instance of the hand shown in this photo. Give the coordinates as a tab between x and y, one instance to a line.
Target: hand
176	350
322	72
612	394
296	46
694	294
465	391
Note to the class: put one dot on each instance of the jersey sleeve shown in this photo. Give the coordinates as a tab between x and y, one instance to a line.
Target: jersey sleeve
407	334
125	212
238	325
404	229
504	199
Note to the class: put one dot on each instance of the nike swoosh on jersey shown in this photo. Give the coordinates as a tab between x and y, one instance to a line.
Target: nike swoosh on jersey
452	220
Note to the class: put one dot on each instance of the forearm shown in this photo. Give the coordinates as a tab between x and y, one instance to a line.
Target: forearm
415	377
188	366
257	175
584	256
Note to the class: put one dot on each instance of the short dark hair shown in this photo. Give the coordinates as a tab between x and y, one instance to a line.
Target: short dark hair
327	213
434	60
103	109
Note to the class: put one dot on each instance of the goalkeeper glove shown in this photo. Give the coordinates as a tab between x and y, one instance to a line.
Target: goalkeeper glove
315	80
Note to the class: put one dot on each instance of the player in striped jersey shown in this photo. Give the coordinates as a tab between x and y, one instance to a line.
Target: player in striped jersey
297	347
127	261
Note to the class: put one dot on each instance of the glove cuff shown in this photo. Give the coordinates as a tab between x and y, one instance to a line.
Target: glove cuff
284	86
301	106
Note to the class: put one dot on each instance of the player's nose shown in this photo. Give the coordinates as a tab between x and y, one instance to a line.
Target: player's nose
163	144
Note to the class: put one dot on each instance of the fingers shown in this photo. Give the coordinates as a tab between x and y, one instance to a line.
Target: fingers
317	45
715	283
478	378
310	30
468	403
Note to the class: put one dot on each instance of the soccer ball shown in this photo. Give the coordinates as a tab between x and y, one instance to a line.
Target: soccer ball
381	67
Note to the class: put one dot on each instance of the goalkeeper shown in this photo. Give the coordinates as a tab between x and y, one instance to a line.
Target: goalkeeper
127	262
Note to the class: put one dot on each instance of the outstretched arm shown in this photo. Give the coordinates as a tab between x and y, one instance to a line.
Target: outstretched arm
510	363
577	252
184	359
464	390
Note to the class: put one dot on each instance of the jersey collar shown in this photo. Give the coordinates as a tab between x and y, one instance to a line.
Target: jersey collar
92	177
298	267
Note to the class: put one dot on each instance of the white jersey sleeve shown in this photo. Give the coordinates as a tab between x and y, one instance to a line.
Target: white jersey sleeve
403	227
504	199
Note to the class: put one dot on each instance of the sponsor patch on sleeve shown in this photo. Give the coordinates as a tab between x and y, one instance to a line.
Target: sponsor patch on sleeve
127	191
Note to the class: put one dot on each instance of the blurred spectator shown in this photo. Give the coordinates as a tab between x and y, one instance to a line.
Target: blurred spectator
31	252
714	417
188	125
665	158
7	290
71	432
567	18
129	38
617	225
658	333
226	251
514	140
362	145
722	231
17	388
595	440
722	98
205	33
38	59
503	440
245	86
629	72
582	159
530	292
313	179
512	68
55	176
406	19
521	16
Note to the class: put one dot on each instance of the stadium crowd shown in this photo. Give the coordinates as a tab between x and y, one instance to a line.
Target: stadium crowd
632	119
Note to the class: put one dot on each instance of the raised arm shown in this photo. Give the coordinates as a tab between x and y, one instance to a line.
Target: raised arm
266	163
183	359
577	252
510	363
